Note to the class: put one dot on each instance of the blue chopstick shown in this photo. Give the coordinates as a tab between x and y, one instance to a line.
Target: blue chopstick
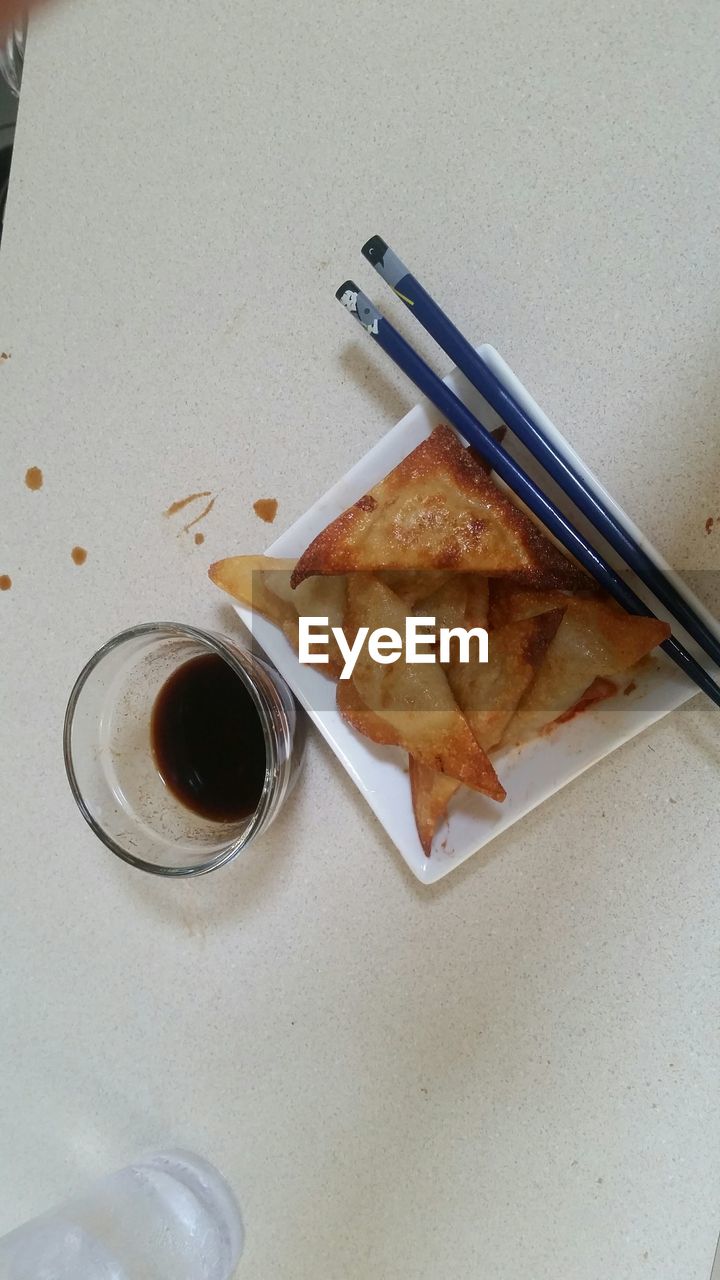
510	471
532	435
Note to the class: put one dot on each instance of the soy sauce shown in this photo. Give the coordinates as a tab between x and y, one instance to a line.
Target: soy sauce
208	741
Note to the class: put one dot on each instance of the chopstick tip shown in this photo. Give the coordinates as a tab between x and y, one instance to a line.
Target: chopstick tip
374	250
346	290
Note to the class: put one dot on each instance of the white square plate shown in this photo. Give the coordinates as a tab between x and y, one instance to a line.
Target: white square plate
530	774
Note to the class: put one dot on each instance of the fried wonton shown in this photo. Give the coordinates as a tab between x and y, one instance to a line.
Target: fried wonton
243	577
431	794
596	638
477	608
448	604
488	693
510	601
414	700
263	584
438	509
413	585
431	791
371	725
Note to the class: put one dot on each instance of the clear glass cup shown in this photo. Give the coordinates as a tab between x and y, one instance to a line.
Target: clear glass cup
110	763
169	1216
12	55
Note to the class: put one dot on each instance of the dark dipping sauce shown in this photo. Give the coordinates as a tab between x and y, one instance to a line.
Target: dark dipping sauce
208	741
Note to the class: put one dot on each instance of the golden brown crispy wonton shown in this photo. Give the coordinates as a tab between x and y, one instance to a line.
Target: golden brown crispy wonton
488	693
438	509
413	700
431	794
596	639
263	584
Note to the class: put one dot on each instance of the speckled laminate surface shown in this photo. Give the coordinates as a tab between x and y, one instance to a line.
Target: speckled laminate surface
515	1073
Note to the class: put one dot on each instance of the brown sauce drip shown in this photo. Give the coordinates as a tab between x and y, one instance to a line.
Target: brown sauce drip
266	509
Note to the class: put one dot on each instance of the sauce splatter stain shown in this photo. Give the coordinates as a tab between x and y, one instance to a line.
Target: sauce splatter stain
184	502
199	539
79	555
709	524
5	582
266	509
205	512
34	478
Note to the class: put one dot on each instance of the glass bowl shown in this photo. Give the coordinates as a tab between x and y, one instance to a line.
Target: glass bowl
111	766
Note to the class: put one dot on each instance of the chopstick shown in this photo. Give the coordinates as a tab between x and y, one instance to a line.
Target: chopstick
457	413
533	436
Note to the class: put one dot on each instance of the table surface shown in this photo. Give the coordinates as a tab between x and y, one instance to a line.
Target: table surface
514	1073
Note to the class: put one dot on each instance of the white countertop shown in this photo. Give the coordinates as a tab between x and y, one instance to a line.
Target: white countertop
514	1074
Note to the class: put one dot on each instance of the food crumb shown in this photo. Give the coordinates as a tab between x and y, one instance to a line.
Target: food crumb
34	478
709	524
199	539
630	688
4	355
79	555
266	509
5	582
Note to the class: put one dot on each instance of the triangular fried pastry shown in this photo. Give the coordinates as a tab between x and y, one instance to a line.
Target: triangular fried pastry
413	700
431	795
263	584
596	638
431	791
488	693
438	509
243	577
